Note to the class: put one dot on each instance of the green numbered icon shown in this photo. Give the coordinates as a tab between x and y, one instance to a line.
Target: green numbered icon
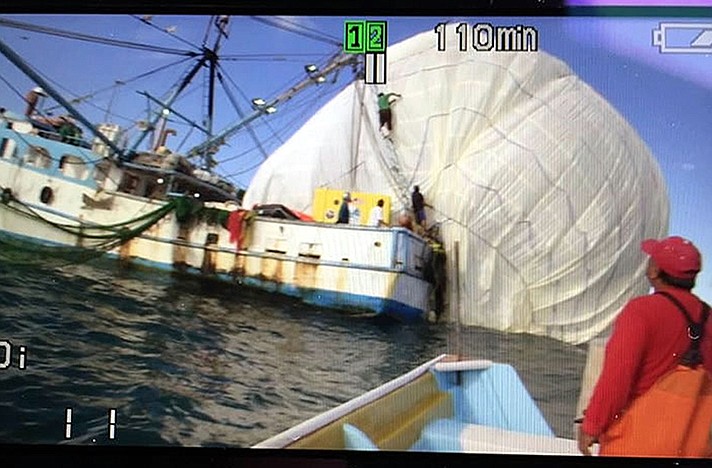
375	36
354	37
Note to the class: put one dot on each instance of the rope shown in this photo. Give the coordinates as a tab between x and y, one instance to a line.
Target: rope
175	36
236	106
109	235
95	39
117	84
300	30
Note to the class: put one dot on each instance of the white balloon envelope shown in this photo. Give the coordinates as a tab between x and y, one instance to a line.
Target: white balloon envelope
547	188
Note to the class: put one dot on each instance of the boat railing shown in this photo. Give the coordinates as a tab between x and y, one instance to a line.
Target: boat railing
70	140
307	427
32	127
180	176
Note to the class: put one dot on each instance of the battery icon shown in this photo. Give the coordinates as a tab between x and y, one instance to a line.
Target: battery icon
683	38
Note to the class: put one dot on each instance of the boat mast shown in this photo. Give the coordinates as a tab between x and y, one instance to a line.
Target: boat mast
210	57
183	84
336	63
221	23
27	70
175	112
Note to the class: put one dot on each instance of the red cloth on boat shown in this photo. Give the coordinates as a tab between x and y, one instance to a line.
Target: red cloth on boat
235	226
303	216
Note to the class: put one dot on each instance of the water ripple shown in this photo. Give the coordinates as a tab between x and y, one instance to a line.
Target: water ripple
192	362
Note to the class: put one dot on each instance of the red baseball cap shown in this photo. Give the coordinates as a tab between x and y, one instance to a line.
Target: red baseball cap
675	256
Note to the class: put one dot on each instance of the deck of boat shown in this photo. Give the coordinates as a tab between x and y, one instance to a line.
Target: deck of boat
449	435
441	406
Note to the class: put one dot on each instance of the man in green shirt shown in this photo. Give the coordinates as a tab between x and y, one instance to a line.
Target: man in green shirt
384	110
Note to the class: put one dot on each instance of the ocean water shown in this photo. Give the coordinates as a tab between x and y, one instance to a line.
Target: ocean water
193	362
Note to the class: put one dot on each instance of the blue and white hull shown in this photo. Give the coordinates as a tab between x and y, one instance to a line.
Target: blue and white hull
50	191
353	268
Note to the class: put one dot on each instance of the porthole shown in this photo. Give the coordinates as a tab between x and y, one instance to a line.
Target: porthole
46	195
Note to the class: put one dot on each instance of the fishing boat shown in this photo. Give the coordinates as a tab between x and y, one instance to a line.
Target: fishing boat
170	210
443	405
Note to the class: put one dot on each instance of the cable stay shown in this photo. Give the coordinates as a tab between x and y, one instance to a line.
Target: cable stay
208	27
160	117
147	21
190	122
308	29
19	63
239	111
306	32
212	144
297	58
119	83
286	128
242	115
96	39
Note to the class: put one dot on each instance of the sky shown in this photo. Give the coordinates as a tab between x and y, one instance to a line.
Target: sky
666	97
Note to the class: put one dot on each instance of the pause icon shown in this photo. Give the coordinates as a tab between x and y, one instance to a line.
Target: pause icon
375	72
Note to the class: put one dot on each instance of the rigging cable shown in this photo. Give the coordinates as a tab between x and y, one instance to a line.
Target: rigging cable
244	171
118	83
297	58
246	99
208	28
238	155
357	123
307	28
95	39
149	23
285	129
70	92
235	104
317	37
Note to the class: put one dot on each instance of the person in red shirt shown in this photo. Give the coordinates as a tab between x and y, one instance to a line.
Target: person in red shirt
649	336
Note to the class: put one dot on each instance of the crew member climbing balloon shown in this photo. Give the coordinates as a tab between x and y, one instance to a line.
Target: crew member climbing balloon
384	111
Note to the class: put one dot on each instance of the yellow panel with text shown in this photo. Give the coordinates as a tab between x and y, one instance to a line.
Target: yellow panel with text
327	202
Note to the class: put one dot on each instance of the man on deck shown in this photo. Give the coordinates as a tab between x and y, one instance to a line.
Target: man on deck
419	206
384	111
375	217
32	99
344	212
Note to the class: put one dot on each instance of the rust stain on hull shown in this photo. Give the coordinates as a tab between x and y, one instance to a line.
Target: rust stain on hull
306	274
208	266
273	269
209	255
180	251
238	266
125	252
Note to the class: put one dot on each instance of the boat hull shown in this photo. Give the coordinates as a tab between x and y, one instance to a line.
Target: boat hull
344	277
441	406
